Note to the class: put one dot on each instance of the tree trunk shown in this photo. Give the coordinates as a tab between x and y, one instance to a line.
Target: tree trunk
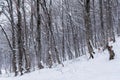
19	38
26	50
88	26
39	46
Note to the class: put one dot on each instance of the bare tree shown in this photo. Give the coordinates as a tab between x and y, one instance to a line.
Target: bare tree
19	37
88	27
39	35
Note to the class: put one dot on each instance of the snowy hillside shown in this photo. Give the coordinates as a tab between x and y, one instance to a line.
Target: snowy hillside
99	68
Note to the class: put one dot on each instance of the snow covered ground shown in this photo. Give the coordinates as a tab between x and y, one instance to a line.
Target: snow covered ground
99	68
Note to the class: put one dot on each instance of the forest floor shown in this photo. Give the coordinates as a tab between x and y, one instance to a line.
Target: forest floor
99	68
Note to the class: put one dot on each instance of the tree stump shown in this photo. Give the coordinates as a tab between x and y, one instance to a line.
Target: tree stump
111	52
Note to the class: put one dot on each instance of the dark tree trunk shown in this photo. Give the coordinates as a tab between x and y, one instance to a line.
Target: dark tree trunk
88	27
19	38
39	46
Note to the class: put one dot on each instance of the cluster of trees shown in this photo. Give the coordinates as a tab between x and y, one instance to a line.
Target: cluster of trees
47	32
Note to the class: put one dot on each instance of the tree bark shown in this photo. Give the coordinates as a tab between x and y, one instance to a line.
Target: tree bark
88	26
19	38
39	46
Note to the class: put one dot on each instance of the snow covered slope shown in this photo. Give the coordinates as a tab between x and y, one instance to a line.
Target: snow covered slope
99	68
